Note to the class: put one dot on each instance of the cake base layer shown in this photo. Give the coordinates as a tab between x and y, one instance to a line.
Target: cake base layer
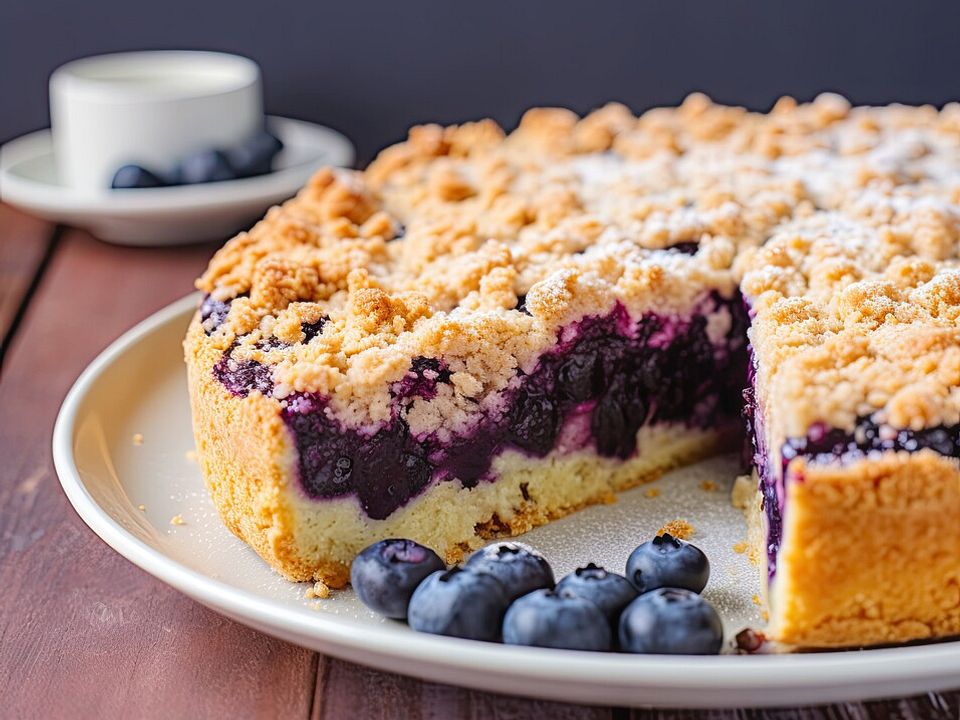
870	554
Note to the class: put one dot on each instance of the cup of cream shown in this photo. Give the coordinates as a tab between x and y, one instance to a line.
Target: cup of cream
149	108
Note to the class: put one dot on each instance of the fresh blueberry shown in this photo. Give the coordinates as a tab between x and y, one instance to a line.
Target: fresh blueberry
134	176
203	167
460	604
608	591
671	621
255	155
385	574
549	618
521	569
667	561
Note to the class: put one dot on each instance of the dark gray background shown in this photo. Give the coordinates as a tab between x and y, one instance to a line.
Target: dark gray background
373	68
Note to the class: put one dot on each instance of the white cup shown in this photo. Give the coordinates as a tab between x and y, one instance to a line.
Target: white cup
149	108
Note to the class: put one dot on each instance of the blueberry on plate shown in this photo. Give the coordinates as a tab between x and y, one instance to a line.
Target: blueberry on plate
460	604
671	621
608	591
255	155
203	167
667	561
520	568
385	574
135	176
556	619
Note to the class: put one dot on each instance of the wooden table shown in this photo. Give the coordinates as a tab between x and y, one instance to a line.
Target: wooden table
87	634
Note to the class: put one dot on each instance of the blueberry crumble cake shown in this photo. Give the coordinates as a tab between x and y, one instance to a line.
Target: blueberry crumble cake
485	331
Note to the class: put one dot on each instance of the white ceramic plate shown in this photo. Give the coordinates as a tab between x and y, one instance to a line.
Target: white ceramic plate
168	215
138	386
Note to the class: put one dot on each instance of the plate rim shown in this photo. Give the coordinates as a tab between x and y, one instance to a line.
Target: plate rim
865	673
338	151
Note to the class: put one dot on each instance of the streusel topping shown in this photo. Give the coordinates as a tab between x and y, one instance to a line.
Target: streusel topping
850	323
474	245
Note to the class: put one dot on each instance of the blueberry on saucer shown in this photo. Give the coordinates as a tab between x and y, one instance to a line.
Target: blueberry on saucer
135	176
255	155
203	167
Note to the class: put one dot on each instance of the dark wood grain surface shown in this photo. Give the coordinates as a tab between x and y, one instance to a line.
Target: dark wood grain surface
25	243
83	633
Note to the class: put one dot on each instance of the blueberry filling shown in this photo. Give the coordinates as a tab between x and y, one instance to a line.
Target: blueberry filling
824	444
685	248
422	379
311	330
213	313
241	377
272	343
608	376
605	371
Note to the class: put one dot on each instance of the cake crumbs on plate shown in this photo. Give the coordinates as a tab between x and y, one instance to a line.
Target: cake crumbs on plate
757	601
708	486
749	641
191	455
177	520
678	528
318	590
138	439
741	547
652	492
141	507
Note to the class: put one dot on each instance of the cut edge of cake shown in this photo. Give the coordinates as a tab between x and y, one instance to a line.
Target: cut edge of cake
870	552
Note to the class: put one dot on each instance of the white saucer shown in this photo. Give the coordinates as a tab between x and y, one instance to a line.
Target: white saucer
138	387
169	215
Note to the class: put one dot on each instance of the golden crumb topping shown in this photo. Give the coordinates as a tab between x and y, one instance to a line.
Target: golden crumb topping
678	528
839	223
849	324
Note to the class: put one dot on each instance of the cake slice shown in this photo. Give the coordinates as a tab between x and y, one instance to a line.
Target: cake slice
320	434
855	409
